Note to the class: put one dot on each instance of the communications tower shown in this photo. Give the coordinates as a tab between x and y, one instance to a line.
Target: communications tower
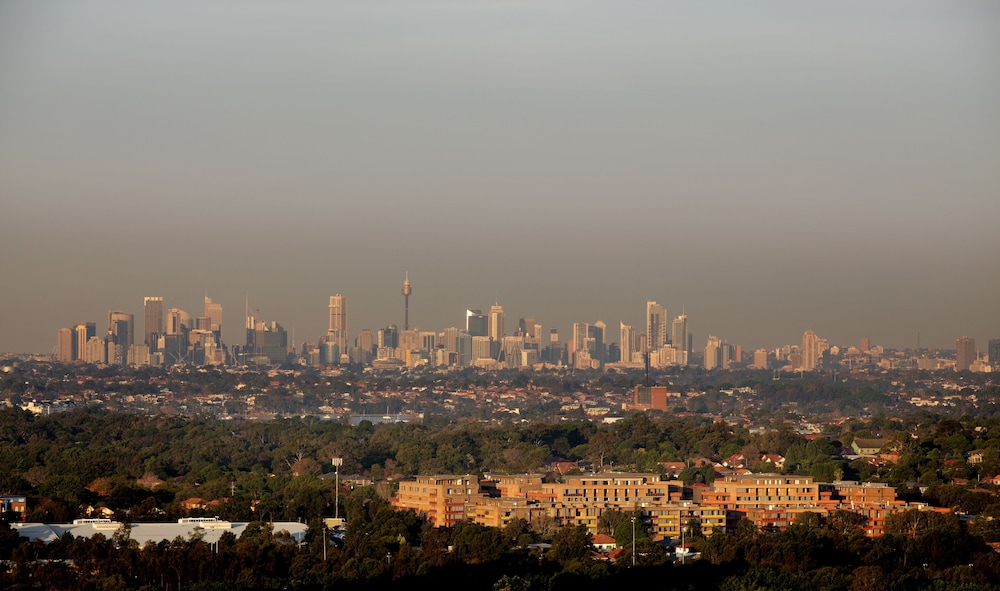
407	290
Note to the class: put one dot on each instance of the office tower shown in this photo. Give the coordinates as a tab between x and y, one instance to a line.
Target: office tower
475	323
965	353
214	311
138	355
121	334
96	351
526	326
409	340
481	348
407	290
361	353
598	333
581	331
866	345
713	353
449	338
65	339
810	351
656	325
495	326
994	351
267	342
626	342
337	330
680	338
329	353
389	337
152	314
178	322
83	331
463	348
760	359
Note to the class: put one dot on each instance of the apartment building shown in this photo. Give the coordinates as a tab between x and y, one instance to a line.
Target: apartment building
771	501
443	500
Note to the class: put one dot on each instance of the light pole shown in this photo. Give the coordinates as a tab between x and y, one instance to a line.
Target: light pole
633	540
337	462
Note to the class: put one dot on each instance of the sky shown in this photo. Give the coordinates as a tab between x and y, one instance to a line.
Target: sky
765	167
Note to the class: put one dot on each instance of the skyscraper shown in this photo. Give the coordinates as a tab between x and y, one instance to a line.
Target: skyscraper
656	325
598	332
713	353
475	323
680	339
152	326
994	351
82	333
64	345
965	353
337	331
121	335
495	326
526	326
626	342
214	311
810	350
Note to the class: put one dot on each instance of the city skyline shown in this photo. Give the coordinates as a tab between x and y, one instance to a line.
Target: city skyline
337	319
768	169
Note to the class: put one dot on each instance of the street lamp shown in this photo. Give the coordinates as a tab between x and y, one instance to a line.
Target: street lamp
633	540
337	462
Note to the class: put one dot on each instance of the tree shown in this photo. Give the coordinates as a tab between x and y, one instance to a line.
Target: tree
609	521
623	533
571	543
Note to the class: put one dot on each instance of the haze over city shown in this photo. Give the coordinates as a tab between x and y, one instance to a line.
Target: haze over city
769	168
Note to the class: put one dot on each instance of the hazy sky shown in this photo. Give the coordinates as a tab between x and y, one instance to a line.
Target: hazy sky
770	166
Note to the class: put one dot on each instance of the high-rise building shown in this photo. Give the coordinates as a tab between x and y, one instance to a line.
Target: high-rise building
463	349
994	351
65	339
214	311
760	359
626	342
449	338
152	314
965	353
866	345
121	335
97	351
82	333
481	348
495	326
598	332
810	351
388	337
680	339
337	331
364	345
178	322
475	323
656	325
526	326
713	352
267	343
